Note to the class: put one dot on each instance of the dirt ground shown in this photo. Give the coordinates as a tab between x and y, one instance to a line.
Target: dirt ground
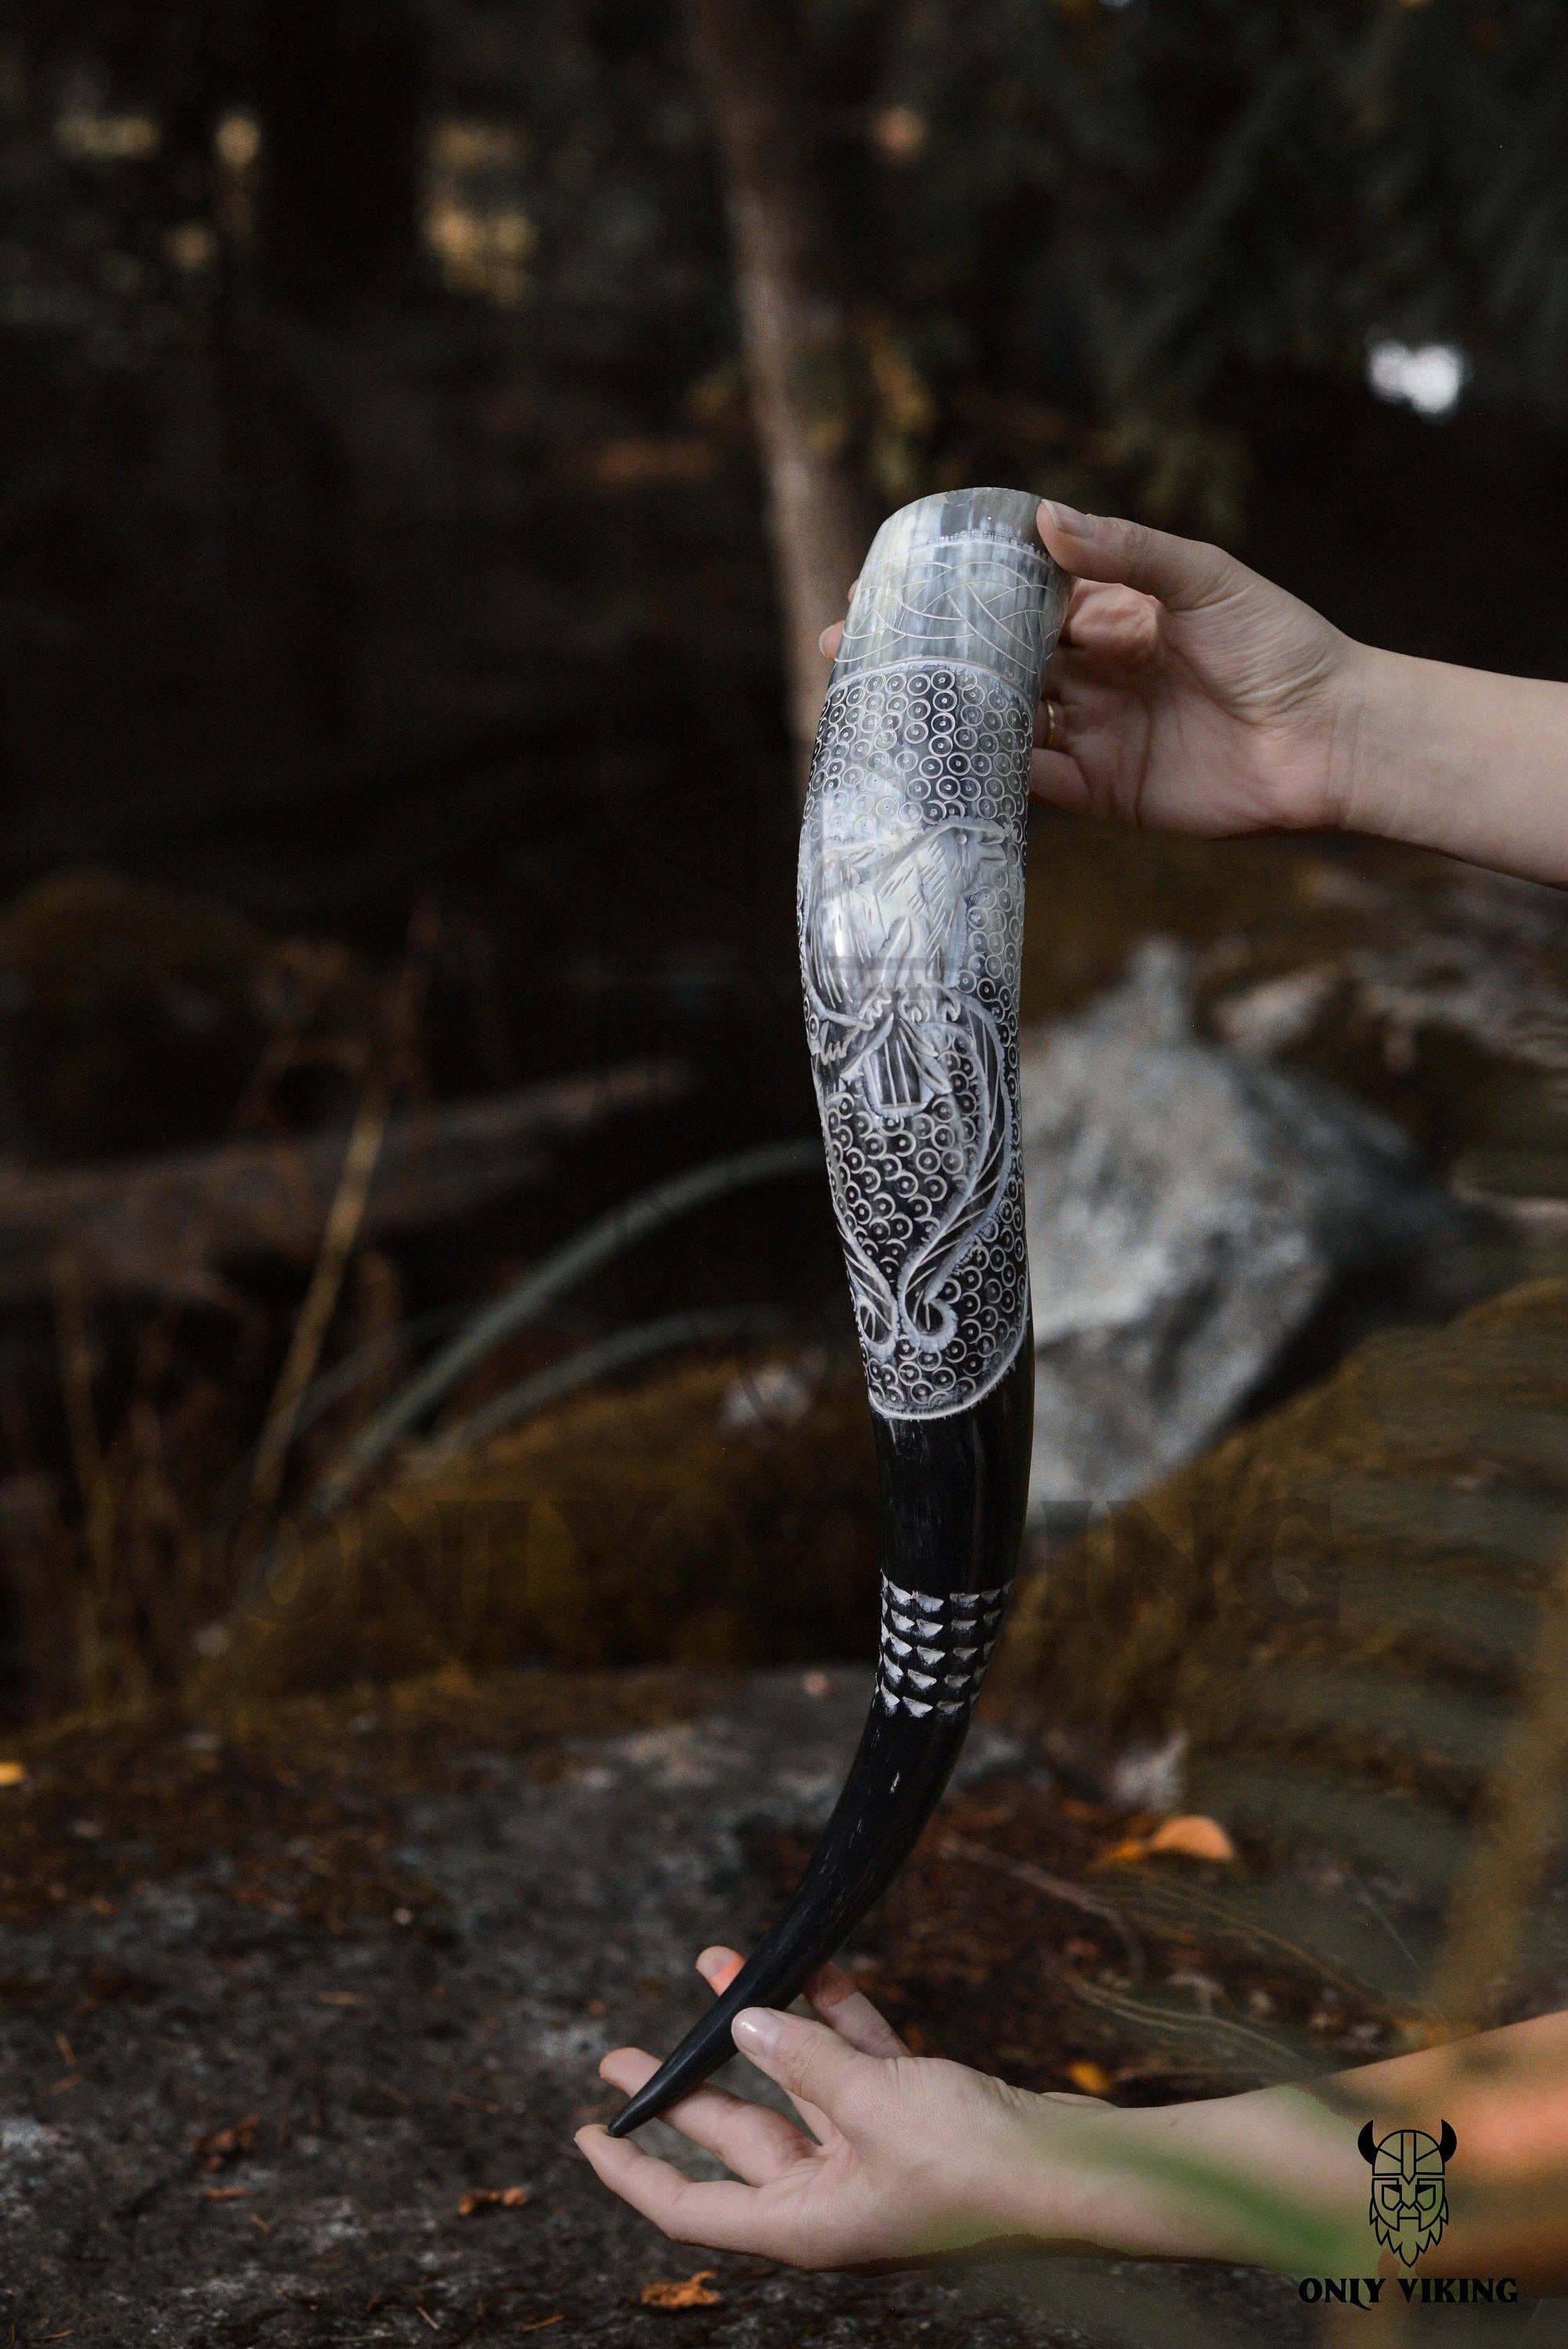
273	2003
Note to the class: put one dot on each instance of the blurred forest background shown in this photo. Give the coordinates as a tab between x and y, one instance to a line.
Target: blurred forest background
435	434
437	431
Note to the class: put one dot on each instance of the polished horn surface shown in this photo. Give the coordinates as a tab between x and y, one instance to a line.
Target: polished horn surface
910	905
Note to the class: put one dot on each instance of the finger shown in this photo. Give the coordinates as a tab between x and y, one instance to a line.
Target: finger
1184	572
718	1967
1051	714
1082	592
830	640
846	2009
806	2058
1059	780
722	2216
756	2142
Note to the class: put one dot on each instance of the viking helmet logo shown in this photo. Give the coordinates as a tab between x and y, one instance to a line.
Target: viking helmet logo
1409	2207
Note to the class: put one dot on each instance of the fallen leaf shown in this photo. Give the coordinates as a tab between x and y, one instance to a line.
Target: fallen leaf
493	2197
13	1774
1092	2078
693	2293
1123	1854
1189	1836
225	2193
1194	1838
215	2148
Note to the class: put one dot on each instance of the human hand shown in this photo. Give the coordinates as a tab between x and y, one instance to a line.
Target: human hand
1186	692
893	2157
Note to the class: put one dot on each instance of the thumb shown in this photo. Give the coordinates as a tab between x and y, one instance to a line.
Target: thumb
805	2057
1182	573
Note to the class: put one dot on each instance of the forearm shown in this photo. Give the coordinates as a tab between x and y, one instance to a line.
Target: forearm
1275	2177
1458	760
1259	2179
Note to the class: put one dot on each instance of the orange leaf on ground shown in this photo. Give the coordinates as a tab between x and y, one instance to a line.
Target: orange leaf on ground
693	2293
215	2148
13	1774
493	2197
1092	2078
1189	1836
1123	1854
1194	1838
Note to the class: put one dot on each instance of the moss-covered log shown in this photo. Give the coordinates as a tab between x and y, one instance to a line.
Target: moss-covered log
704	1519
1353	1585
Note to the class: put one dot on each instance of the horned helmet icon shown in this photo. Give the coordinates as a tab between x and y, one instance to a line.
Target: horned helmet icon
1409	2207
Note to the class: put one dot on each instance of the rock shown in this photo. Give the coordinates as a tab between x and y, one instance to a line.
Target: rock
370	1963
1189	1206
1431	991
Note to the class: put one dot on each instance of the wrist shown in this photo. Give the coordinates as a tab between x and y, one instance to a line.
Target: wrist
1083	2175
1358	766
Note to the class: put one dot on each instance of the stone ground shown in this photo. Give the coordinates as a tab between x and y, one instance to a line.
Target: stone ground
267	2019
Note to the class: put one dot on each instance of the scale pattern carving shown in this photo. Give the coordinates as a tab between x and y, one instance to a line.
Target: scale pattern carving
911	907
934	1652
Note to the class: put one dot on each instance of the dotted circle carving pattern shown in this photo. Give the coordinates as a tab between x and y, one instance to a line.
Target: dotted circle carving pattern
911	906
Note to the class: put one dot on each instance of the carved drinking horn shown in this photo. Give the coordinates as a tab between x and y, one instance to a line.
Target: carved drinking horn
911	906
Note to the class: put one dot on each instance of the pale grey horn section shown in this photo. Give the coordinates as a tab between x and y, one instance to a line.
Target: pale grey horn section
961	576
911	906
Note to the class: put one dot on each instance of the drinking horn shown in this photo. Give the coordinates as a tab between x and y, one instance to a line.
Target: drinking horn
910	905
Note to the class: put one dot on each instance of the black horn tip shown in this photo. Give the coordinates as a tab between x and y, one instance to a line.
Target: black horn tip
1368	2143
1447	2142
897	1775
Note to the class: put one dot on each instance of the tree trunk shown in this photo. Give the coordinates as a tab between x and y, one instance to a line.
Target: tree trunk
341	94
748	54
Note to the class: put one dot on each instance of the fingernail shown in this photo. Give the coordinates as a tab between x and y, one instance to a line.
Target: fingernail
757	2029
1068	518
823	642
